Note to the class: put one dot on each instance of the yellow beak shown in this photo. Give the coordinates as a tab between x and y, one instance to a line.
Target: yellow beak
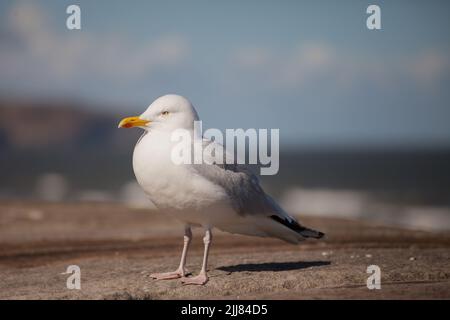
131	122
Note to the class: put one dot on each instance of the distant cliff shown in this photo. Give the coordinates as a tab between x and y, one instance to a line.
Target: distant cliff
86	147
24	126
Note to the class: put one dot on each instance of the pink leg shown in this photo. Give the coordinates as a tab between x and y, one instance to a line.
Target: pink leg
202	278
181	271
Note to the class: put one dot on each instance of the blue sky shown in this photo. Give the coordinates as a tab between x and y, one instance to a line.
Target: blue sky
310	68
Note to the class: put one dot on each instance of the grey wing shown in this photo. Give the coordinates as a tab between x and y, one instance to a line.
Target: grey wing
239	182
249	199
247	196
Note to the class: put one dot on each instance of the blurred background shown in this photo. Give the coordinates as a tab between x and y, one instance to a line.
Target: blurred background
364	116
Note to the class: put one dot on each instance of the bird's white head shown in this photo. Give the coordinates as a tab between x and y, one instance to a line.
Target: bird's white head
169	112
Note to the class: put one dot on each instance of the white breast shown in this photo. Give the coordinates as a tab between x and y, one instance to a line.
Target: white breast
168	185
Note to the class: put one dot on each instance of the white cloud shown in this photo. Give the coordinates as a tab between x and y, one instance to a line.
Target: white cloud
320	63
252	57
429	67
37	52
295	68
307	63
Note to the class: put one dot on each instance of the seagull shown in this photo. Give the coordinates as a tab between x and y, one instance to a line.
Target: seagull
208	195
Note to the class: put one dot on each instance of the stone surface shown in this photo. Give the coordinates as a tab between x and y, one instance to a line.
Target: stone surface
118	248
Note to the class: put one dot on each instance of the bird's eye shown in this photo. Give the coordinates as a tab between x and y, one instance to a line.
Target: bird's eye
165	113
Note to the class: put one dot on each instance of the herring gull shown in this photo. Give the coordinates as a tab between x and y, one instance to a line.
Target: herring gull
225	196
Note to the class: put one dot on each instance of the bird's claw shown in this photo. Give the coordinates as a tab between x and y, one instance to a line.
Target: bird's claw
201	279
169	275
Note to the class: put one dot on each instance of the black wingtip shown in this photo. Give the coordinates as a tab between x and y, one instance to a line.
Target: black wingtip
293	225
309	233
